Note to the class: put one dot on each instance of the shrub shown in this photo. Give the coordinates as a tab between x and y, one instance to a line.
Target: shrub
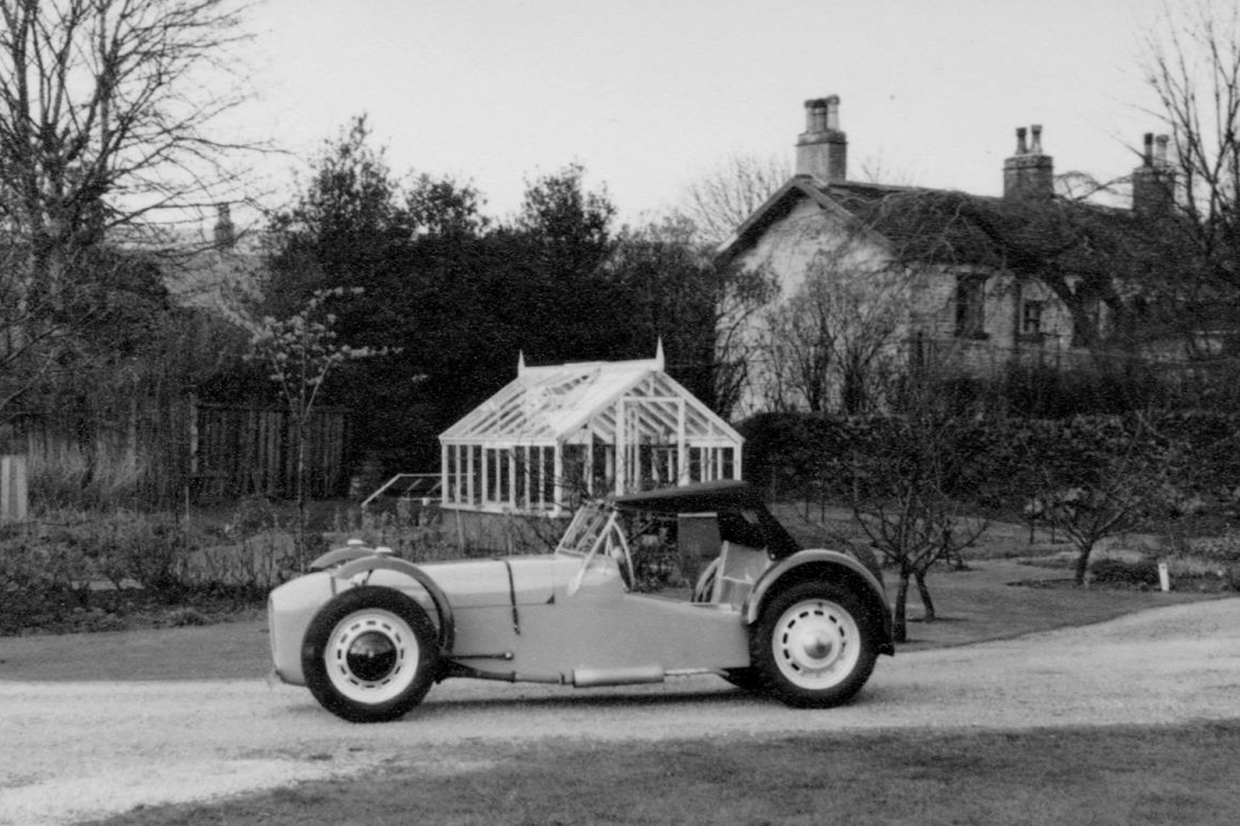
184	617
1006	460
1224	548
1113	571
70	476
82	570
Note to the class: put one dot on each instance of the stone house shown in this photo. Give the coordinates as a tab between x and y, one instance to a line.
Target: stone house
875	278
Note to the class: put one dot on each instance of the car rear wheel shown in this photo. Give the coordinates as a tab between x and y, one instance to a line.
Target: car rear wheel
813	645
370	655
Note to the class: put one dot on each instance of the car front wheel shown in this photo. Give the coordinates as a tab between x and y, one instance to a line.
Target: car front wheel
370	655
813	646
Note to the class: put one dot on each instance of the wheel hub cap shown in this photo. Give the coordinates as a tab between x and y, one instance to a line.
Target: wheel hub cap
371	657
815	644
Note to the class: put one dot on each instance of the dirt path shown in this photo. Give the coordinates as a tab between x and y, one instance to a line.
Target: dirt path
70	750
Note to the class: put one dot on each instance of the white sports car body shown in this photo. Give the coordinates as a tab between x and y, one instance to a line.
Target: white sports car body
369	633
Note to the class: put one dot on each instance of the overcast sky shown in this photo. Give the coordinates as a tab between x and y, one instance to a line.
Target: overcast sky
649	94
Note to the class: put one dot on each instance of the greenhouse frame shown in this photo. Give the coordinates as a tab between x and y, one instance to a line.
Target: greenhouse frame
562	433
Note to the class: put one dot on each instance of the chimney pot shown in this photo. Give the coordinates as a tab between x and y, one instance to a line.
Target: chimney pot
1153	182
822	149
1030	173
225	232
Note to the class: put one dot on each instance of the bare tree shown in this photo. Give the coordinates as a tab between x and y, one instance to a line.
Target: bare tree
723	198
1112	479
737	297
905	480
1191	62
105	109
797	343
826	346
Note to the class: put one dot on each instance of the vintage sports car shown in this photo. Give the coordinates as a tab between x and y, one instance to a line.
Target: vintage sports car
368	633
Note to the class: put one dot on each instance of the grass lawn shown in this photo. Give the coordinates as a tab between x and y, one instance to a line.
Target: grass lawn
1090	776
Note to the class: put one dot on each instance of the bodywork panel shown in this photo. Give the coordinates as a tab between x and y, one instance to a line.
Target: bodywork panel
839	566
568	617
513	616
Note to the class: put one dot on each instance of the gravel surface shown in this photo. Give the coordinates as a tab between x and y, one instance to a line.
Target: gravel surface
70	750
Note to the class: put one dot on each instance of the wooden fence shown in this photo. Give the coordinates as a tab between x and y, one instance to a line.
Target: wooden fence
238	450
162	449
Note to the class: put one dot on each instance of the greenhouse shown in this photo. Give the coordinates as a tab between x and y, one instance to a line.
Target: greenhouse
560	433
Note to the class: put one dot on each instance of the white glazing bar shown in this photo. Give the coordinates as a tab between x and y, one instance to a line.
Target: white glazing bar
590	457
527	479
559	475
621	447
542	477
512	478
445	486
682	449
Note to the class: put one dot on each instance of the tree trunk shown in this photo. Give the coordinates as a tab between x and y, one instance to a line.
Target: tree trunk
924	593
300	486
899	625
1082	565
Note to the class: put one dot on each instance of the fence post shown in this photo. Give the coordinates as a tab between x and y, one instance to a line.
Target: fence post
12	488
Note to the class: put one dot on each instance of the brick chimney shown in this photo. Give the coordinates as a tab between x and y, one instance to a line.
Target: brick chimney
1153	182
1029	174
225	232
822	149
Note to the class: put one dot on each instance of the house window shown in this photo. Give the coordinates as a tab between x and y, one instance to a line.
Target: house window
970	304
1031	318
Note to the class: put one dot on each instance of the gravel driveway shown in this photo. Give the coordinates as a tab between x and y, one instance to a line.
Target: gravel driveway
72	750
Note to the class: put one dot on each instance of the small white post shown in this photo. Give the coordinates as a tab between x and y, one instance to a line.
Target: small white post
13	495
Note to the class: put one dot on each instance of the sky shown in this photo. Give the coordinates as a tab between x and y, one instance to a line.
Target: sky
649	95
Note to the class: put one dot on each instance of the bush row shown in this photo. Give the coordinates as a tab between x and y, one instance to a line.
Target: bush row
1003	461
84	570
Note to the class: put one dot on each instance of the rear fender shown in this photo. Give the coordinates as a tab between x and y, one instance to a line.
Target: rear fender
833	566
366	565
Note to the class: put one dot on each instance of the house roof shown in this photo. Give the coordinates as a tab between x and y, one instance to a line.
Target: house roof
556	403
952	227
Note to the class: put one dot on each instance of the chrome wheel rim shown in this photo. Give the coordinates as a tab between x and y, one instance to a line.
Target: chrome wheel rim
817	644
372	656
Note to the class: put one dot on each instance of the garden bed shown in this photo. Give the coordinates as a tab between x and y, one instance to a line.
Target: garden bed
128	609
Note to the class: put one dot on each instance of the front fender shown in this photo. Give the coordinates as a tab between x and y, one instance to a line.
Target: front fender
383	562
821	563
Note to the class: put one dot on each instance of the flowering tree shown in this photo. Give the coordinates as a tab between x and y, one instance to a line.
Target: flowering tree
300	351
